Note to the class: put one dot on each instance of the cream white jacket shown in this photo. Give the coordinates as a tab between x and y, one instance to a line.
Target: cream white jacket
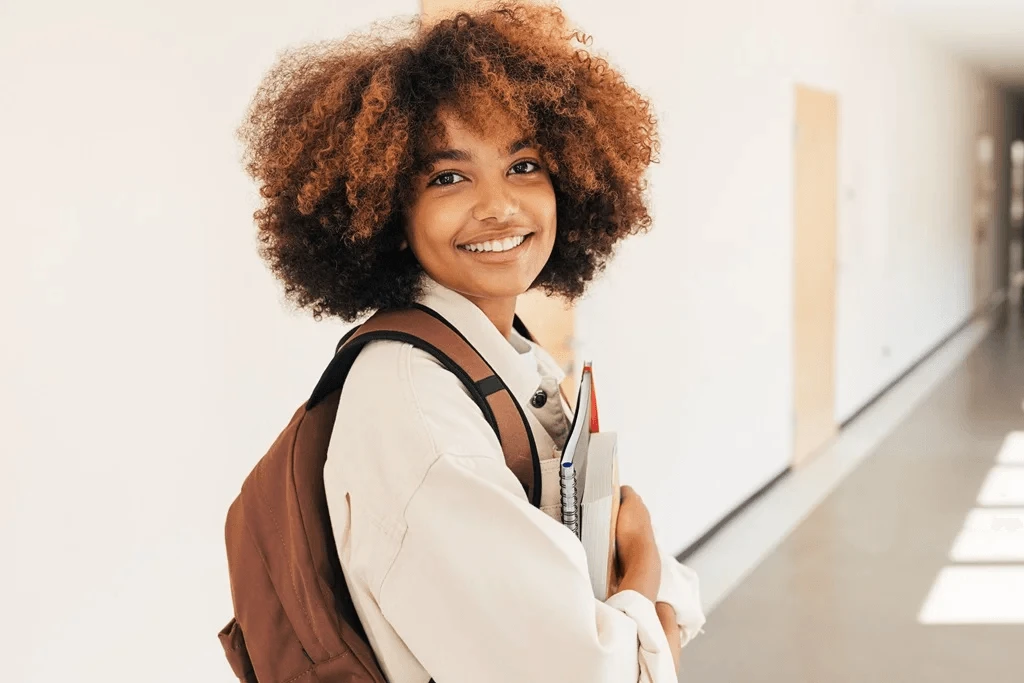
453	573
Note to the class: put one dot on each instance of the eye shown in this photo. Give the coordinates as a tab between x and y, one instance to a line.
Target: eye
521	167
446	178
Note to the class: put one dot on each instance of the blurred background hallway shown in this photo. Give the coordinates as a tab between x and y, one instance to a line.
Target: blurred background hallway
912	568
824	416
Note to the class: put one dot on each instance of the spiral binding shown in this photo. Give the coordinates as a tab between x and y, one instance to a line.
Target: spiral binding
570	505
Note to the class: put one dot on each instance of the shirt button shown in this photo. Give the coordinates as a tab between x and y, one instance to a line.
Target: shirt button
539	399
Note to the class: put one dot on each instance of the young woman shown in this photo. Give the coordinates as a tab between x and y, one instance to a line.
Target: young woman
458	167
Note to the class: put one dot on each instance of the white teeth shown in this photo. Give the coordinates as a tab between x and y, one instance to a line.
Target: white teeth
496	245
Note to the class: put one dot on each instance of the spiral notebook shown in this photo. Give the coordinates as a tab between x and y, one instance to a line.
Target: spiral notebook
590	487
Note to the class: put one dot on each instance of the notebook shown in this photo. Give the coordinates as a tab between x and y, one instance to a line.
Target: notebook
590	487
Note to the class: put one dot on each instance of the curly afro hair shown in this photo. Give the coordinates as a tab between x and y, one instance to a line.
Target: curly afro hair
336	132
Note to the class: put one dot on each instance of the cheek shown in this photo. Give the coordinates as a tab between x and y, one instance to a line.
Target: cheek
539	204
429	224
548	213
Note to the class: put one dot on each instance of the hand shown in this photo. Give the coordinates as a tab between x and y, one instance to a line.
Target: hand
639	563
667	617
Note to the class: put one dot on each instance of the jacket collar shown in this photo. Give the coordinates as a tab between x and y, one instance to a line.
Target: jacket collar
517	368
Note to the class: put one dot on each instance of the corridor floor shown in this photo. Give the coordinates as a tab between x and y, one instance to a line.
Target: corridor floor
912	570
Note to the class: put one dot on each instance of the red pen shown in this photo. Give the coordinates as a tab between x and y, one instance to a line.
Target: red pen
595	424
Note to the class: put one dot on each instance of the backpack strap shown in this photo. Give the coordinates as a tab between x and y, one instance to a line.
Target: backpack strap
517	324
427	330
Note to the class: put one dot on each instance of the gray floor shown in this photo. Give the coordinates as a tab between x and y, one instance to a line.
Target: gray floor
838	601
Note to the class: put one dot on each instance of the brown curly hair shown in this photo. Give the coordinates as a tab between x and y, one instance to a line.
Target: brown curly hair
336	132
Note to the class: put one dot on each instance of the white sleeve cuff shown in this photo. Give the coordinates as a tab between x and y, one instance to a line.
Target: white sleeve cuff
680	588
655	657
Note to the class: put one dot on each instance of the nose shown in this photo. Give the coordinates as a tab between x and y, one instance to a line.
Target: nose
495	202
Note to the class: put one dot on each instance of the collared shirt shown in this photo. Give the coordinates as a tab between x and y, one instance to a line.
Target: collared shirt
453	574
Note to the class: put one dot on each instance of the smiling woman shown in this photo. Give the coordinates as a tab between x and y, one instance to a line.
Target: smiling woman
455	169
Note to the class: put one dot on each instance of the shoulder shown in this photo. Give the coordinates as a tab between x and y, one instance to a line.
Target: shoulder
409	398
400	411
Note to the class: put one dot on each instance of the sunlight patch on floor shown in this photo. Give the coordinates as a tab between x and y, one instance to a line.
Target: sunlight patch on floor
1004	485
1012	452
994	532
991	535
976	595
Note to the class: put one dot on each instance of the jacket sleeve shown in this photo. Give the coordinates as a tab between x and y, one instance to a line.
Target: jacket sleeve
483	586
681	589
487	588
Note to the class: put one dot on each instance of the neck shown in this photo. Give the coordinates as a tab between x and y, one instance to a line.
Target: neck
500	312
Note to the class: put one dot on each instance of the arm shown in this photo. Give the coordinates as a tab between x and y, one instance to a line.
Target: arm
646	569
476	583
645	578
486	587
680	590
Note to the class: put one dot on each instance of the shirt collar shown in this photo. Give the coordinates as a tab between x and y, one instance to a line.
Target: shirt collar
522	378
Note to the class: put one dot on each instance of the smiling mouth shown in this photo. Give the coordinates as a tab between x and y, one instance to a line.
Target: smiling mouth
496	246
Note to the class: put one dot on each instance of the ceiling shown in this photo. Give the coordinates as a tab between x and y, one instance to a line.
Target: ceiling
987	33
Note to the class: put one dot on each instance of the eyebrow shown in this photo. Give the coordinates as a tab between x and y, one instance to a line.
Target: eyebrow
461	155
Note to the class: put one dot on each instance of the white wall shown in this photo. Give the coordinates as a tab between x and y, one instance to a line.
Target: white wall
147	361
691	329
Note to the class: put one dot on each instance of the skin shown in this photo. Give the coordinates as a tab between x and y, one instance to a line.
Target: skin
480	188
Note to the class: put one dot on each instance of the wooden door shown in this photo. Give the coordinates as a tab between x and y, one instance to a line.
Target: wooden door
814	262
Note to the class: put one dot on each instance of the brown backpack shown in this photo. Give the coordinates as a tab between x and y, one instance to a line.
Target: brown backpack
294	617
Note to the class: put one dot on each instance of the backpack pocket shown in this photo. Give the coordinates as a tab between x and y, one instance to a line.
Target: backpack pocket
233	642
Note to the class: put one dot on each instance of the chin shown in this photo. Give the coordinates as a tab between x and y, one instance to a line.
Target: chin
503	291
499	287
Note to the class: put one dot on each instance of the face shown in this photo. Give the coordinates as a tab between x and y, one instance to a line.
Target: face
482	218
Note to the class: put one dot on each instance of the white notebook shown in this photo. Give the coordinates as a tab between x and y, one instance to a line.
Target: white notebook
599	511
595	492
